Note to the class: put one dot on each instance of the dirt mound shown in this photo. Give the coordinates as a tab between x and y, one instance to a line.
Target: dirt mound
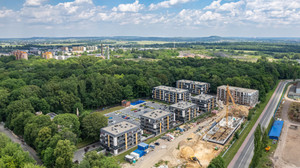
186	152
240	111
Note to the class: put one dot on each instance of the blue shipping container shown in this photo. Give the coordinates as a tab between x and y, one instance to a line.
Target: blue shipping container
143	146
140	152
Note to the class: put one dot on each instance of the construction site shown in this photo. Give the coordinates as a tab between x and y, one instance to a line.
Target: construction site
196	144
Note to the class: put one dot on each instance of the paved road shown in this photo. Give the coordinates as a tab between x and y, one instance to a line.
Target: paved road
79	154
16	139
244	155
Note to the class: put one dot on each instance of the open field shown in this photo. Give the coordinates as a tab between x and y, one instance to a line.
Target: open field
112	109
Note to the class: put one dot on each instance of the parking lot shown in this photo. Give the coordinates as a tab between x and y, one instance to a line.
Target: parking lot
132	113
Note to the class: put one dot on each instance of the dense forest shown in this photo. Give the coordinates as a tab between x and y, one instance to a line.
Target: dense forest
88	82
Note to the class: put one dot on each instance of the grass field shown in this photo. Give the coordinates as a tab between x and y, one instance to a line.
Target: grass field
112	109
235	147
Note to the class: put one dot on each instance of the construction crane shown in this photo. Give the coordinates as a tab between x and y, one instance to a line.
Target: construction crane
228	94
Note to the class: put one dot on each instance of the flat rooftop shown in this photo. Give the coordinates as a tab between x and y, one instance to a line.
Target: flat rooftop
193	82
203	97
120	128
172	89
183	105
246	90
156	114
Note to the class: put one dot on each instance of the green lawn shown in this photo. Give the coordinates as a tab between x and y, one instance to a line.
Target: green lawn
235	147
112	109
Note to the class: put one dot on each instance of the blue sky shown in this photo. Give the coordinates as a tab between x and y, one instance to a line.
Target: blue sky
166	18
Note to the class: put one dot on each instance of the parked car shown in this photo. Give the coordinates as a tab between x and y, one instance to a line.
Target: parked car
157	143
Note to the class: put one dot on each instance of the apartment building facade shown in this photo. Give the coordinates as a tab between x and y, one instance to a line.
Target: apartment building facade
243	96
79	49
194	87
20	55
47	55
157	121
204	102
120	137
170	94
184	111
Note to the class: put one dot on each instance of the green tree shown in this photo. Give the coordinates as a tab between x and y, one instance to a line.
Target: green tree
48	157
43	139
93	159
257	147
40	104
31	165
20	122
12	155
92	124
12	83
4	94
63	153
69	121
217	162
16	107
33	127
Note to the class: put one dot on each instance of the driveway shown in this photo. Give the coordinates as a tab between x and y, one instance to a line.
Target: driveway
79	154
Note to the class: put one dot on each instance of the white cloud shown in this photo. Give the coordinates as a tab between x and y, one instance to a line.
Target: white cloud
6	13
34	2
167	4
214	5
134	7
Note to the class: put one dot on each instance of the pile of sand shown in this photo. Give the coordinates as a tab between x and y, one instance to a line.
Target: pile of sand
240	111
186	152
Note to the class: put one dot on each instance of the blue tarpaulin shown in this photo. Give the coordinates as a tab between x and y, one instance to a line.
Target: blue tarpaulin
143	146
137	102
276	130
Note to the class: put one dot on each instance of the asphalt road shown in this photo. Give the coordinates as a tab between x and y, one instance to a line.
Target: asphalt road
244	155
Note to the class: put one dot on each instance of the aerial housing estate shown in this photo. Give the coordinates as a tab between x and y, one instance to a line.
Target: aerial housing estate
243	96
119	137
170	94
157	121
20	55
194	87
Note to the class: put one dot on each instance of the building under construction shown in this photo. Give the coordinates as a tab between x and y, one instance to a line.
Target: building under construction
170	94
157	121
243	96
184	111
194	87
204	102
120	137
220	132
